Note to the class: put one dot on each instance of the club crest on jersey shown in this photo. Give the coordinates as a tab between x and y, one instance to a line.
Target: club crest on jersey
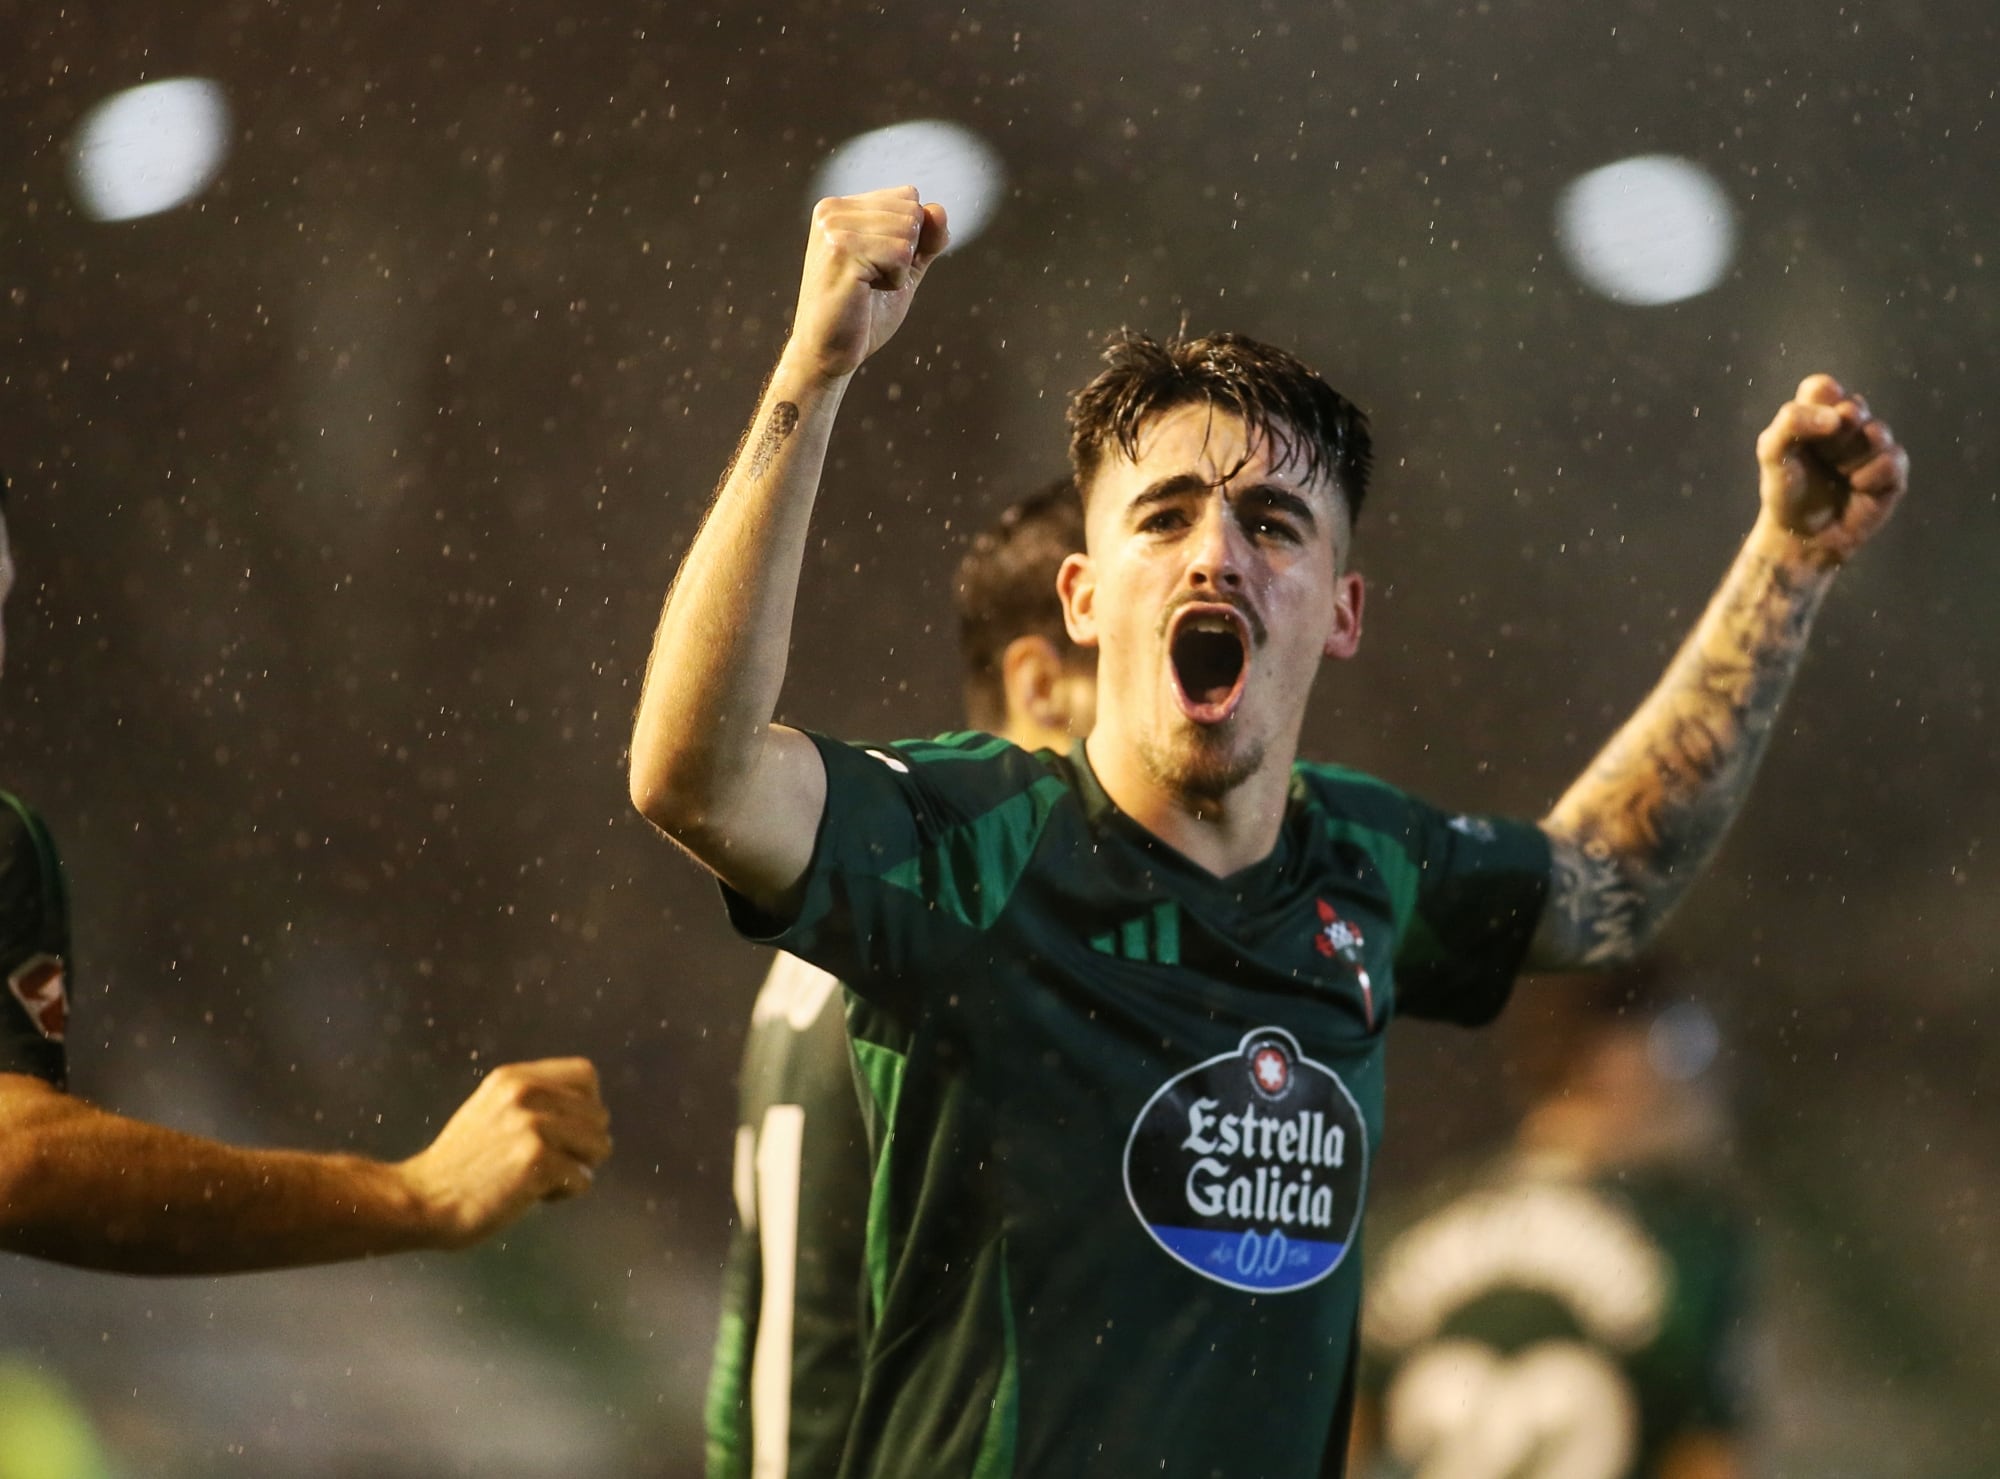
37	984
1339	940
1250	1168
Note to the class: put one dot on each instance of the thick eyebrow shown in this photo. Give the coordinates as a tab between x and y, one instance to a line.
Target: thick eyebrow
1268	495
1282	500
1166	490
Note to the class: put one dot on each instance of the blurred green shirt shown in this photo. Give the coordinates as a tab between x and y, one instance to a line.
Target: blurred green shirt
1534	1321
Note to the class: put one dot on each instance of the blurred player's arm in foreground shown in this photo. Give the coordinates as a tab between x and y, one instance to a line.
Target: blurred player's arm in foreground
1637	828
82	1186
708	767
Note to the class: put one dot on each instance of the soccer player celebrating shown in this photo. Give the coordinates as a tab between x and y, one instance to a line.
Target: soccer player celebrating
1145	985
795	1305
84	1186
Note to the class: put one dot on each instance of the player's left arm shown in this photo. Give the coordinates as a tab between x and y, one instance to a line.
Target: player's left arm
87	1187
1634	831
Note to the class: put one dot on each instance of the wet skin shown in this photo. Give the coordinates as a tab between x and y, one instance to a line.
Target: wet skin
1203	531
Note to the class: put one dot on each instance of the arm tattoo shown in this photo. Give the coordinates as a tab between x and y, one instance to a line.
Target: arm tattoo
778	428
784	421
1632	834
1594	916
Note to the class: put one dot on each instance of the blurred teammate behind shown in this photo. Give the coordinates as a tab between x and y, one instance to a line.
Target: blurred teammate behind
1577	1305
795	1312
83	1186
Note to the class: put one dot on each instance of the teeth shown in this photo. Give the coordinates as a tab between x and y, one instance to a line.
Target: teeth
1208	622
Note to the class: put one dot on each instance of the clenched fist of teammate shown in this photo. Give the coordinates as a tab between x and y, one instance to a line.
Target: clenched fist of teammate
1830	473
531	1132
864	260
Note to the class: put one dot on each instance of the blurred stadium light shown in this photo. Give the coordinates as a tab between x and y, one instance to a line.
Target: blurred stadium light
150	148
947	163
1683	1041
1648	230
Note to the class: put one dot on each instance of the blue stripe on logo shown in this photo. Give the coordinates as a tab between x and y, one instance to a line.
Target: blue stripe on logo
1250	1259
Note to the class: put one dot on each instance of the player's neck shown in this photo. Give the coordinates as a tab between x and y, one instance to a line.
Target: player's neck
1223	834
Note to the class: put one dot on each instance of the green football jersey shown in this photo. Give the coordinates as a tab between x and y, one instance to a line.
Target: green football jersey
1121	1110
1536	1321
787	1370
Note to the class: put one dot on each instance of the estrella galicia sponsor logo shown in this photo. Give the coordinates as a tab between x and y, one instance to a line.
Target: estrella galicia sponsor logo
1250	1168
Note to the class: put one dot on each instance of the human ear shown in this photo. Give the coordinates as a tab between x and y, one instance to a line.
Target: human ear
1030	670
1076	584
1343	637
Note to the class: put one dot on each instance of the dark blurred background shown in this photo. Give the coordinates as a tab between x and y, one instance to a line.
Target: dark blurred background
345	495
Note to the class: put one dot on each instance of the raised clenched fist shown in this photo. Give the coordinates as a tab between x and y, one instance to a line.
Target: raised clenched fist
1830	473
531	1132
864	259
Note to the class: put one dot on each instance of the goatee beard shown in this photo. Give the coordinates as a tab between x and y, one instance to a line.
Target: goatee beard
1195	770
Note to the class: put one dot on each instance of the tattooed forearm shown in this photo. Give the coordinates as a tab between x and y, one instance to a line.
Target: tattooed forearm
783	421
1635	830
1594	914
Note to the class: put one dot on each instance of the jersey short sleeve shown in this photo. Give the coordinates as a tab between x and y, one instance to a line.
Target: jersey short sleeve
1481	885
919	849
1466	891
34	947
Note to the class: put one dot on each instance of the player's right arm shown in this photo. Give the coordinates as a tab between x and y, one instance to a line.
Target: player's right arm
83	1186
708	765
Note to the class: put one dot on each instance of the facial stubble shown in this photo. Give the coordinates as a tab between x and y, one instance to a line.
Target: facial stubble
1197	764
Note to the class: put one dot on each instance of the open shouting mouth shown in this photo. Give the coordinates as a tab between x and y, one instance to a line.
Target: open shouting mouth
1208	646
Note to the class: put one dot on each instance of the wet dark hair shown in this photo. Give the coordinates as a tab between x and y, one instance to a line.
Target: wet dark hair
1275	393
1006	588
